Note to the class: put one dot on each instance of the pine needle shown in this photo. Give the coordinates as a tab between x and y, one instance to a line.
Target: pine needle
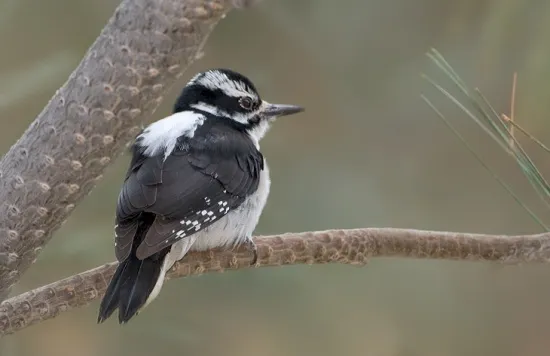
499	127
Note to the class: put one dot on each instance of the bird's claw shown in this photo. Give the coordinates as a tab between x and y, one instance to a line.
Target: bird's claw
252	246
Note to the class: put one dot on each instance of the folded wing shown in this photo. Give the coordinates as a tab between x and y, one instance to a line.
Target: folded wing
187	192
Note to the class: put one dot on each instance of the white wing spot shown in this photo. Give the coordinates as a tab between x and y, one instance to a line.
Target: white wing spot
224	203
203	212
210	213
195	222
180	233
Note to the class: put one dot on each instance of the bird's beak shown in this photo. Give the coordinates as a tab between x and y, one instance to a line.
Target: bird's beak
275	110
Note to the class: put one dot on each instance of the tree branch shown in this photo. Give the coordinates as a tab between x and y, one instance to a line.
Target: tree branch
145	46
332	246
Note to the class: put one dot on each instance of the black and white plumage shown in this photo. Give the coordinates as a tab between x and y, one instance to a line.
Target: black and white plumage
197	180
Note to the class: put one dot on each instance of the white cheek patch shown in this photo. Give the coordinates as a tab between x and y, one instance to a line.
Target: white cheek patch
256	133
239	117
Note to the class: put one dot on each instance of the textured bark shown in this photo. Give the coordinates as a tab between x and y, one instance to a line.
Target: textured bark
332	246
145	46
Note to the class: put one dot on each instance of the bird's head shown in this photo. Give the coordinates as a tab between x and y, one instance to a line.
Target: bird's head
232	96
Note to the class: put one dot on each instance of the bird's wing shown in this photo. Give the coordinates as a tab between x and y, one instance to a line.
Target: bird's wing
187	192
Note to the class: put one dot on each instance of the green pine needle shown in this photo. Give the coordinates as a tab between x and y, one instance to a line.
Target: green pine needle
483	114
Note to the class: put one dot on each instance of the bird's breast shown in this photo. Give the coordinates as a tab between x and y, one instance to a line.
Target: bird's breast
240	223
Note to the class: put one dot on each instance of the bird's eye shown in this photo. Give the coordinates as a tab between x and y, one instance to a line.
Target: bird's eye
246	103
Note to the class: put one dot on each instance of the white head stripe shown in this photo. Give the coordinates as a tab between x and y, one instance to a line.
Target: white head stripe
215	79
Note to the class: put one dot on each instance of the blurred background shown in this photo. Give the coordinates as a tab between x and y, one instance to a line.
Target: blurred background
368	152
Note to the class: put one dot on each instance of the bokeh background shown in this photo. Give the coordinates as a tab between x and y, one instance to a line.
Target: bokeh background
367	152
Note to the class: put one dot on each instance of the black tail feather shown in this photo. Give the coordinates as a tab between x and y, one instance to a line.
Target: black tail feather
135	291
130	286
110	300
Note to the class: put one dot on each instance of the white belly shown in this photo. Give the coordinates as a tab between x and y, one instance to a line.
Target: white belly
231	230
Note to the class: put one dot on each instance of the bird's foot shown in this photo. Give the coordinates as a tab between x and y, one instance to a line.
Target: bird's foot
251	245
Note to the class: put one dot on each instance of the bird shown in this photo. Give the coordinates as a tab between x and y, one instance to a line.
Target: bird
196	180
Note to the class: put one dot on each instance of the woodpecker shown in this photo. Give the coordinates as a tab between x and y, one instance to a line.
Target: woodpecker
196	180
